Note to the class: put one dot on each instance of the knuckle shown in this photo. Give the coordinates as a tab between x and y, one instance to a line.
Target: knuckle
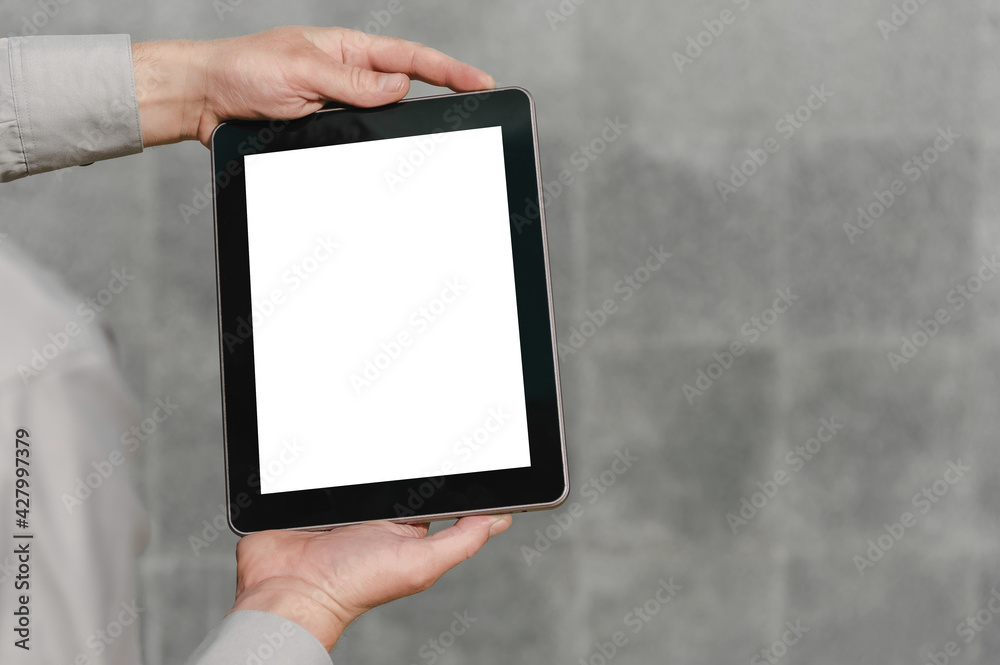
357	78
421	582
287	34
362	40
354	41
419	577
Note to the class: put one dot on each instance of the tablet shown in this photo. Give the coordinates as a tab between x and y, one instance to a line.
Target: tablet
385	315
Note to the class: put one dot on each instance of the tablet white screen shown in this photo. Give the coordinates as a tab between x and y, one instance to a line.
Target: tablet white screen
384	314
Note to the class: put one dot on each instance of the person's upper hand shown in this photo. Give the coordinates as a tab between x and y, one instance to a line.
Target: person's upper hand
325	580
186	89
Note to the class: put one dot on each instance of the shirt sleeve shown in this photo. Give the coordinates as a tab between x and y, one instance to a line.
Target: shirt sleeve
64	101
249	636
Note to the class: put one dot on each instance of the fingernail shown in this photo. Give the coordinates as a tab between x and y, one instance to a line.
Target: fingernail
390	82
499	524
492	81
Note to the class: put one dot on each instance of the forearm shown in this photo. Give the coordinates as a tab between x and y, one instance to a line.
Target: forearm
76	100
187	88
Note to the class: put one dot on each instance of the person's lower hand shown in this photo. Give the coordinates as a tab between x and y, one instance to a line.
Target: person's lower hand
187	88
324	580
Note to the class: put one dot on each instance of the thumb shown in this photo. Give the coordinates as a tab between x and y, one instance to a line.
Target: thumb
453	545
360	87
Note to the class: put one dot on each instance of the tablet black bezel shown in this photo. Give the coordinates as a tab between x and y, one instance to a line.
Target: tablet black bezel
545	484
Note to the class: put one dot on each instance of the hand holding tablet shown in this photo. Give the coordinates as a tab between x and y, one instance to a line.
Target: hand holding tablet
386	323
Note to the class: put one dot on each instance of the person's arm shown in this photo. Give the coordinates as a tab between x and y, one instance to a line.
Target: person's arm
65	101
297	591
59	106
310	584
187	88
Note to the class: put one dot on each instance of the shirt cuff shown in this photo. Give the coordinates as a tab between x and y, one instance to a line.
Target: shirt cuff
64	101
249	636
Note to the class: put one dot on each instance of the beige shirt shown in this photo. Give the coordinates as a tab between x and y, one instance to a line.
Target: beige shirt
60	386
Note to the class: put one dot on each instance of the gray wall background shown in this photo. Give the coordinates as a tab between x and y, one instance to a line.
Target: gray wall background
824	358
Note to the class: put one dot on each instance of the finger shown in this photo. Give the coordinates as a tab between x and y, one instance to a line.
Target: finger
389	54
430	558
435	555
358	86
464	524
419	530
416	530
460	541
501	523
427	64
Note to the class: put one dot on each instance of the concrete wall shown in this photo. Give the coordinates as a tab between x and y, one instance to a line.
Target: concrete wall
656	184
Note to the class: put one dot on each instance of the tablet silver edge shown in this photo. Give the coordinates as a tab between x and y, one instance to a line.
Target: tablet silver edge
552	324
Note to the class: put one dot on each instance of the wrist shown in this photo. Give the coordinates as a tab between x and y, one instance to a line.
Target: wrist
297	601
170	89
